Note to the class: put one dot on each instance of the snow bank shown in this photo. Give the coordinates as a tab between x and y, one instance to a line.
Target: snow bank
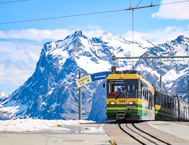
32	125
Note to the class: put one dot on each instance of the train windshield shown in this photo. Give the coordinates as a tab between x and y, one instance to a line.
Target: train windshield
116	87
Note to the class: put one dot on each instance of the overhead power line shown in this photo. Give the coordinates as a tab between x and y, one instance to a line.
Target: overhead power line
85	14
139	3
173	2
13	1
59	17
20	42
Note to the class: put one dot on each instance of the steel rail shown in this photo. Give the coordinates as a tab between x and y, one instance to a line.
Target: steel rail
142	135
130	135
151	135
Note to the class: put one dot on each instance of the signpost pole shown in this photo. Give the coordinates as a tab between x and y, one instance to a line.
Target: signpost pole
188	91
80	102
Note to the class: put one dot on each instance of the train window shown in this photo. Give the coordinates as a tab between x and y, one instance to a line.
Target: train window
163	100
116	87
169	102
139	87
143	93
150	100
172	103
166	102
131	88
146	95
157	100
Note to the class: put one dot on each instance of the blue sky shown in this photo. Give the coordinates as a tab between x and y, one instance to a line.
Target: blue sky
17	61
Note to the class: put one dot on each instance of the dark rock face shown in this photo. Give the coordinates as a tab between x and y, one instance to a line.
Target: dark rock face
51	92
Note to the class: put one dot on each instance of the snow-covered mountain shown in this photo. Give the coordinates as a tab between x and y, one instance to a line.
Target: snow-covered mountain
175	72
51	91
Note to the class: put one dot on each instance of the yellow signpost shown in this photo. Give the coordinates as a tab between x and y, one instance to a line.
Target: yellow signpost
83	81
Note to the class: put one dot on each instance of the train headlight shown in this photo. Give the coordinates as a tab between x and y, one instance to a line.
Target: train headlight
132	103
112	103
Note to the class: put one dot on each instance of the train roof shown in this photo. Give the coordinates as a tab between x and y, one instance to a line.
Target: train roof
162	91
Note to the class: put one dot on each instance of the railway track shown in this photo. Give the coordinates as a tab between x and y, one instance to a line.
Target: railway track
140	135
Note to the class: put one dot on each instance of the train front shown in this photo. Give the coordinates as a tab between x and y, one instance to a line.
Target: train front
124	98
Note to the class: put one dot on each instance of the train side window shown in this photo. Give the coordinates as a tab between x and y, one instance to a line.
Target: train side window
172	103
159	99
169	102
150	100
163	101
146	95
140	88
166	101
143	93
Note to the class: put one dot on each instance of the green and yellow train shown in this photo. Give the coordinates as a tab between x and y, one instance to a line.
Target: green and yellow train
131	98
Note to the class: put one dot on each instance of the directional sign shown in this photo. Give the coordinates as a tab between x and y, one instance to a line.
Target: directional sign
90	78
83	81
99	76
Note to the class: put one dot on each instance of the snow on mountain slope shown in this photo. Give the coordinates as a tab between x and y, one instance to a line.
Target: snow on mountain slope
51	92
172	70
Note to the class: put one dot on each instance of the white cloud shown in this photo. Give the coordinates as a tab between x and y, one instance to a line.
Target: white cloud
34	34
39	35
178	11
18	61
157	36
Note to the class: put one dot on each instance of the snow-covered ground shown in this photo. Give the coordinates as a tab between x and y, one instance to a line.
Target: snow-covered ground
33	125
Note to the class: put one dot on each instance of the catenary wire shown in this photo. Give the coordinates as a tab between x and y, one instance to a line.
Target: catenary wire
172	3
20	42
66	16
13	1
138	3
72	16
84	14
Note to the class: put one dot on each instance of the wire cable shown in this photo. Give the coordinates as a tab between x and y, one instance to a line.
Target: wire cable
138	3
21	42
172	3
85	14
13	1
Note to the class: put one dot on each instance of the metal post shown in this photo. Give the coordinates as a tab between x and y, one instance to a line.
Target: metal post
113	60
160	81
160	75
188	91
80	100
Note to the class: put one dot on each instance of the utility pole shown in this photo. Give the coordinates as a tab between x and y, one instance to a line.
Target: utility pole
160	75
188	91
80	100
160	81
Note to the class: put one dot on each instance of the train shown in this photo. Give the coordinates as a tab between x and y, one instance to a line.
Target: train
130	97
